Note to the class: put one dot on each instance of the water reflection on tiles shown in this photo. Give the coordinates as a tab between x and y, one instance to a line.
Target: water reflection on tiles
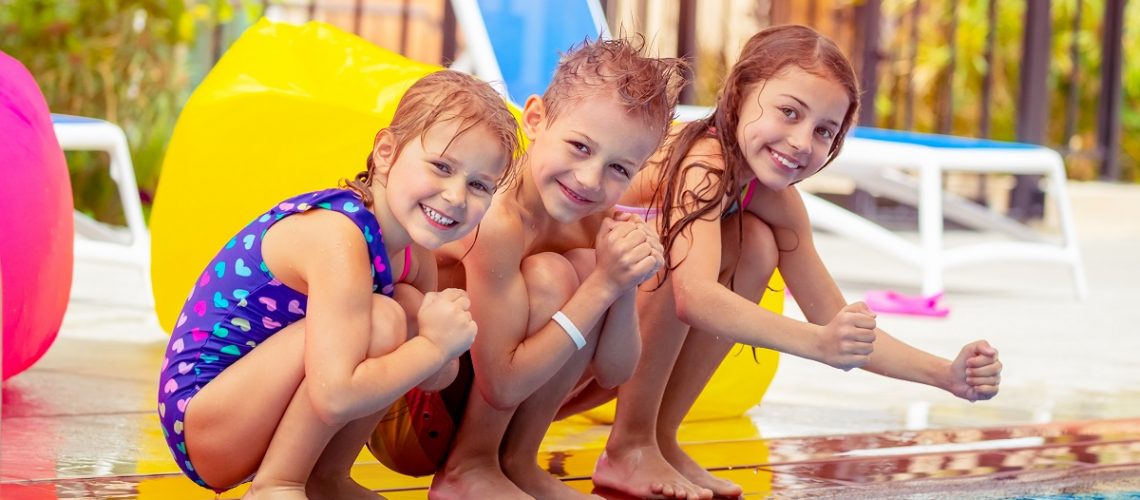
77	430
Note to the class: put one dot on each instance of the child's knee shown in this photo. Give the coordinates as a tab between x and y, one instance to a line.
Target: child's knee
549	277
759	256
389	326
583	260
759	245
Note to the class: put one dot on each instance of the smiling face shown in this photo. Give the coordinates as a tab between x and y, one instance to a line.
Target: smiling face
439	186
582	161
788	124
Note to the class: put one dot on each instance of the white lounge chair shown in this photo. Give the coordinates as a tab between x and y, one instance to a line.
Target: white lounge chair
95	241
875	160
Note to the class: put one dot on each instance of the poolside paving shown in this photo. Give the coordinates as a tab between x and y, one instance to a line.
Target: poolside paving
81	423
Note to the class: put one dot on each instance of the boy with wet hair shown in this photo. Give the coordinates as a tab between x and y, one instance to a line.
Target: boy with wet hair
552	272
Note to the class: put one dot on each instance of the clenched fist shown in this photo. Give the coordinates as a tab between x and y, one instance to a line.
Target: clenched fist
628	251
976	372
445	319
847	341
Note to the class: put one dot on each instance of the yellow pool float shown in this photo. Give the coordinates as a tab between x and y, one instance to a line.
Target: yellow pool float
289	109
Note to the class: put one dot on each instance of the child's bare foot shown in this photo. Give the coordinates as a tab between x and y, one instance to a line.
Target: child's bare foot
642	472
693	471
275	491
541	484
484	480
338	488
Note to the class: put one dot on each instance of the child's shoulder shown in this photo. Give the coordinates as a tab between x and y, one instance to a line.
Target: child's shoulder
321	227
336	199
329	216
505	218
500	233
314	241
704	148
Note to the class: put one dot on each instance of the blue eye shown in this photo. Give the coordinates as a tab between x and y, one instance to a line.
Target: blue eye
479	186
442	167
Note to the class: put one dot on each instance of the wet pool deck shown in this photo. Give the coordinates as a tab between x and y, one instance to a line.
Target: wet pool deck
81	423
78	430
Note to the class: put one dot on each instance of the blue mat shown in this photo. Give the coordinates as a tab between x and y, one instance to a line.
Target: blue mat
935	140
74	120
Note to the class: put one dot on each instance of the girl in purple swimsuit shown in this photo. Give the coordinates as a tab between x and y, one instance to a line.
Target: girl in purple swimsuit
295	337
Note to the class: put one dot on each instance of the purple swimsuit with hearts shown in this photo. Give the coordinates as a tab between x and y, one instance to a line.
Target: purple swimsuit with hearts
236	304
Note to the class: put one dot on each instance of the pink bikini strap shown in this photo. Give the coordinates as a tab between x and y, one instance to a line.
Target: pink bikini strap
749	190
407	264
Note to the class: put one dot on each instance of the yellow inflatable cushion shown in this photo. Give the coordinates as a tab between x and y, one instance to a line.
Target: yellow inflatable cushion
288	109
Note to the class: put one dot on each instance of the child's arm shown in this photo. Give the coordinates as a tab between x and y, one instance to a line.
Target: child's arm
619	343
423	277
411	299
509	364
707	305
974	375
333	266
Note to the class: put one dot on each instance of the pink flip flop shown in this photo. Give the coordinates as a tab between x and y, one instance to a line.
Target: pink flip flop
887	301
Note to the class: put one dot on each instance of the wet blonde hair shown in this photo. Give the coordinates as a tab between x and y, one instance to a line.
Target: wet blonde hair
646	87
440	97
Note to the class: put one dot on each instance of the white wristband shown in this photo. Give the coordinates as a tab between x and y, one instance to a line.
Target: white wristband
571	330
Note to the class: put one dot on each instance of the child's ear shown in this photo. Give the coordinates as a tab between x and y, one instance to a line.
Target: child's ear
533	115
383	152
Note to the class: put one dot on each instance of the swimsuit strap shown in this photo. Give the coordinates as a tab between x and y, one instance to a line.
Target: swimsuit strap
749	190
645	212
407	263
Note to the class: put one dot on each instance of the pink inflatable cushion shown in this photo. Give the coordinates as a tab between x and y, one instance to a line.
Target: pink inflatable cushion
36	221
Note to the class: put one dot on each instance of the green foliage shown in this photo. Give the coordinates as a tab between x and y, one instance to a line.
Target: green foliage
119	61
925	79
125	61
